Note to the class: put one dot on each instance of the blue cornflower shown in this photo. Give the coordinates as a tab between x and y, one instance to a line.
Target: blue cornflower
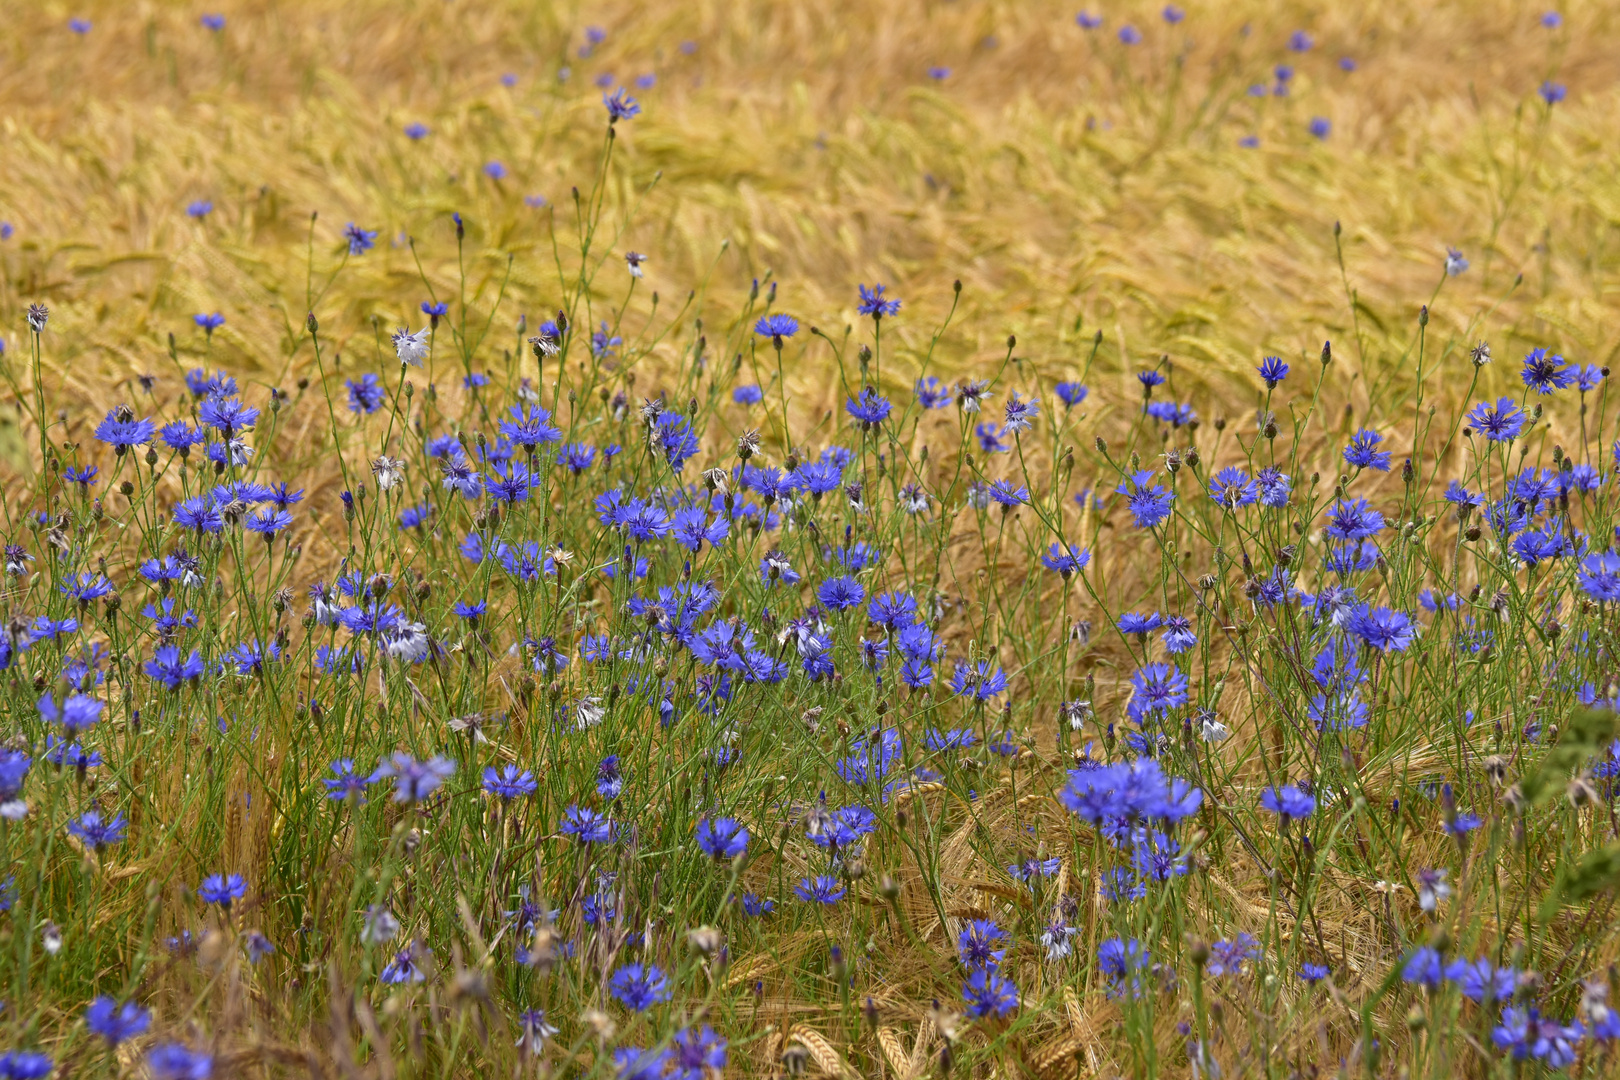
509	781
1525	1033
229	415
201	208
180	436
1228	957
1149	379
987	993
1599	577
823	889
1383	629
530	430
1158	689
870	409
981	681
1320	127
1363	452
413	780
268	522
1482	982
1273	371
1065	559
222	889
406	966
1121	960
360	240
638	987
620	106
1544	373
116	1023
1503	423
1274	486
697	1053
1071	393
1300	41
1178	634
1088	21
367	395
674	437
747	395
174	1061
1149	503
1552	92
874	304
1353	519
952	739
1132	622
122	431
932	394
86	587
96	831
1424	968
586	826
77	714
939	74
1130	35
976	945
841	593
576	456
412	517
1587	377
48	629
1008	496
416	130
609	778
635	1063
495	170
29	1064
776	327
168	669
1232	488
209	323
1288	803
83	477
1169	412
1314	973
722	838
345	781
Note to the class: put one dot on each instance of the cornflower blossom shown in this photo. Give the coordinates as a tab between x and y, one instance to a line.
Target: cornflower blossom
1149	503
875	304
1363	452
413	780
639	987
222	889
1545	374
116	1023
721	838
1500	423
412	349
1289	803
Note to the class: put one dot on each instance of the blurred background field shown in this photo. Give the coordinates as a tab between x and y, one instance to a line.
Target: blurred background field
1177	196
1071	182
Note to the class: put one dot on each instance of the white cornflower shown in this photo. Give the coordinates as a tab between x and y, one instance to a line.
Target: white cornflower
412	348
634	260
388	471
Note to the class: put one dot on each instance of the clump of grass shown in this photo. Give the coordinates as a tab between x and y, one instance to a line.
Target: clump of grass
1051	671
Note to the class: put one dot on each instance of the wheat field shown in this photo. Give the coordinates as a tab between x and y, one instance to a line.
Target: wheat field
1186	192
